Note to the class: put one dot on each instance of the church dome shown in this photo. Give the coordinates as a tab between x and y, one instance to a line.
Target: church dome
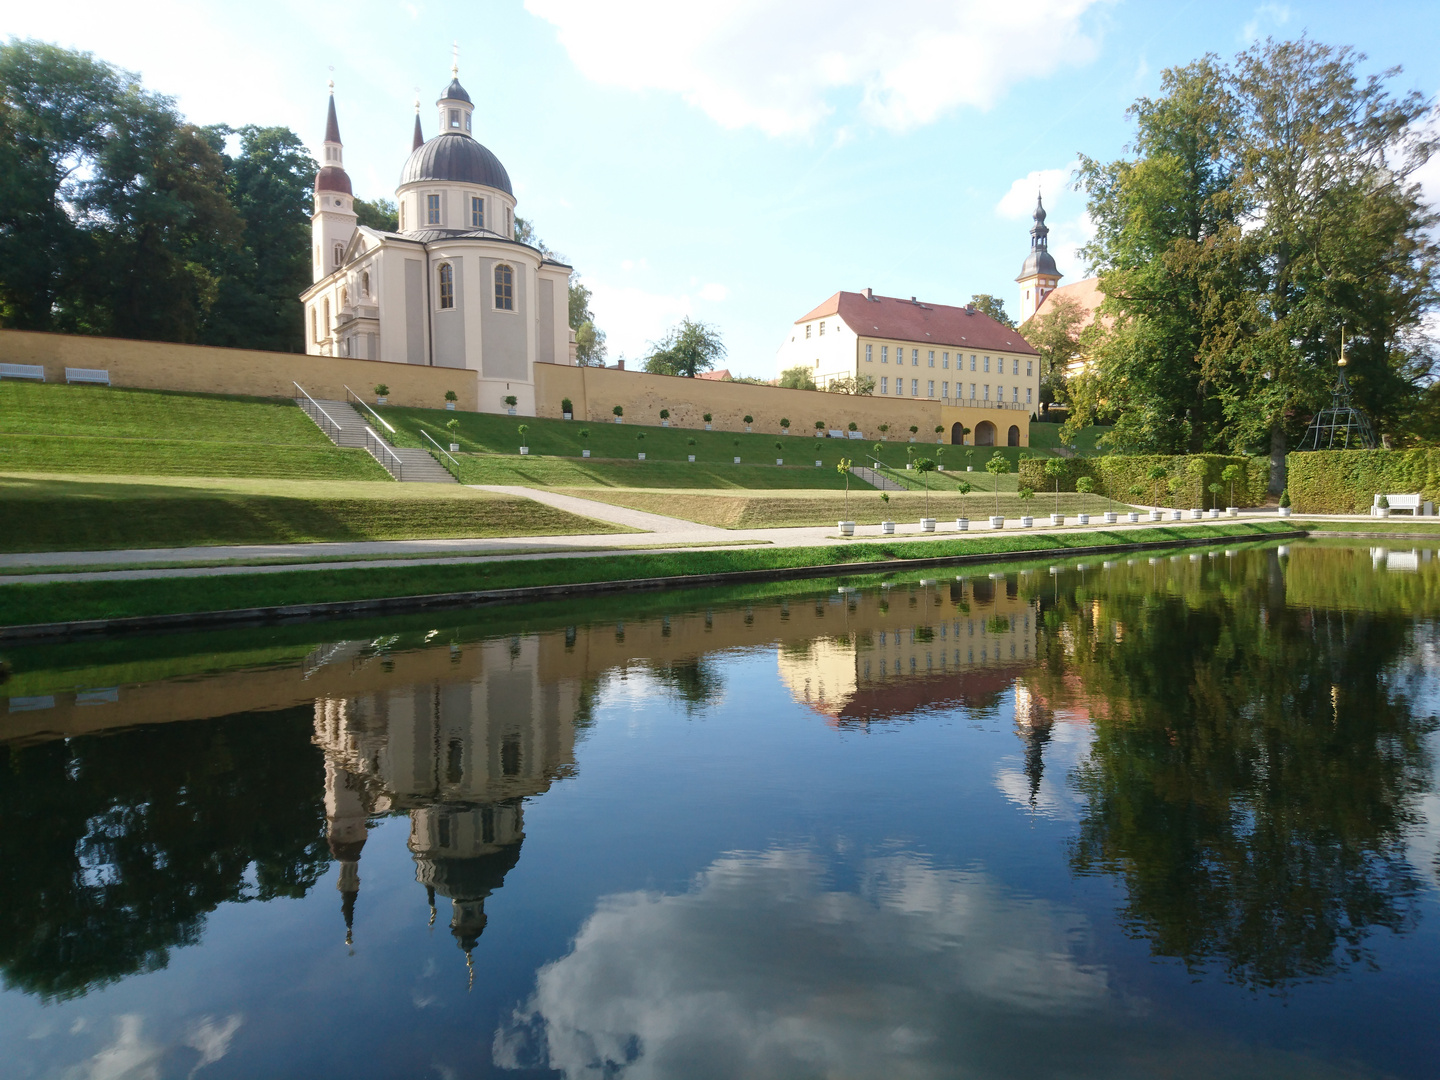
333	178
1039	261
455	158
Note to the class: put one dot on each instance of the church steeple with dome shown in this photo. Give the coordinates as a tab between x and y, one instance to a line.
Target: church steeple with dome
333	221
1038	276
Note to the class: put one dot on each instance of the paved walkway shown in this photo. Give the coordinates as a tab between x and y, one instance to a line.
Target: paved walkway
662	534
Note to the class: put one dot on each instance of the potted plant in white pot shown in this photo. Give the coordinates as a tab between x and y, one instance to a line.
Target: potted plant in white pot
1085	485
1026	493
1137	492
883	429
1215	489
382	393
640	441
453	426
619	413
1055	468
706	418
1382	506
925	466
940	433
886	526
779	449
784	425
1157	477
522	429
963	521
450	399
510	402
995	467
847	527
664	417
584	436
819	429
748	421
914	430
1285	503
567	409
690	442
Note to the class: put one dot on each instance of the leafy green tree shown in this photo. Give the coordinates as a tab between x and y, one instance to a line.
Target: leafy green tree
992	306
797	378
997	466
850	384
1056	336
380	214
688	349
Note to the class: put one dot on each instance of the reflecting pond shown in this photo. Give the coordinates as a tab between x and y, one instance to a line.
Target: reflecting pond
1174	814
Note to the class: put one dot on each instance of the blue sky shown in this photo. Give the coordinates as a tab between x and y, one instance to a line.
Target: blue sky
734	161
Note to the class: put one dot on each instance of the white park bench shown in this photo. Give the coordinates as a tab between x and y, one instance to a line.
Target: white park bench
87	375
1405	502
22	371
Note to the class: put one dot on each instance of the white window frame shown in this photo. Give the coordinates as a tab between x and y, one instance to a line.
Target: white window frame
432	209
869	359
884	384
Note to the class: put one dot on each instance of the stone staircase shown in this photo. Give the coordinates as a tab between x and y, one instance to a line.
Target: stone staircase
876	480
414	466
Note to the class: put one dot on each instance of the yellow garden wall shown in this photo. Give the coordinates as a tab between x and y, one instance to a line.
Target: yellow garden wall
159	365
596	391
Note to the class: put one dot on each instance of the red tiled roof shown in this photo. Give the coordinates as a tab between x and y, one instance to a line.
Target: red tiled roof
906	320
1085	293
723	375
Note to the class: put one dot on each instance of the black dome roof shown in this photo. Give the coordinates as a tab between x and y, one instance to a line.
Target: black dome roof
456	92
458	158
1039	261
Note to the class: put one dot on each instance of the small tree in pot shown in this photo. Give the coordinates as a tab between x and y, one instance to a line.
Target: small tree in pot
381	393
584	438
997	466
510	402
619	411
690	442
567	408
450	399
939	433
1026	495
522	429
664	417
785	424
1085	486
453	426
748	421
914	430
843	467
883	429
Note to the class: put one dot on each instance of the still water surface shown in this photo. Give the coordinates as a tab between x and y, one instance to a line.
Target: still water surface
1164	816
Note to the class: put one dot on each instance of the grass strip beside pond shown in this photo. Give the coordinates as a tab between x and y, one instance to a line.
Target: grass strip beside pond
22	604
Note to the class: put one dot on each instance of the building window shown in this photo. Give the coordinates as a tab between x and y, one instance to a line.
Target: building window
327	316
930	388
1027	395
987	363
504	287
884	354
447	285
914	387
314	324
1014	367
365	283
987	391
899	385
945	389
914	357
477	212
1015	394
884	385
455	118
972	365
432	209
509	222
807	331
822	327
932	358
467	121
1028	366
972	391
339	253
868	357
945	360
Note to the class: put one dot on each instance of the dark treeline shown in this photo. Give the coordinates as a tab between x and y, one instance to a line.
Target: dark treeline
119	217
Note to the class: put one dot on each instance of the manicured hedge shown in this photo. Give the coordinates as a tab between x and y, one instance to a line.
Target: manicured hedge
1347	481
1186	478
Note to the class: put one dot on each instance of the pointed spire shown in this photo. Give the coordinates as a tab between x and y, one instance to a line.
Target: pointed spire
332	125
419	139
1039	233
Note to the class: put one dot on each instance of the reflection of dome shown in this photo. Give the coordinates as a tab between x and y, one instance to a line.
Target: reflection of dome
457	158
462	878
347	850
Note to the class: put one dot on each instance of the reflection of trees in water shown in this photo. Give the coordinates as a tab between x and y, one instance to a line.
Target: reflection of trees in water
1255	775
116	847
695	683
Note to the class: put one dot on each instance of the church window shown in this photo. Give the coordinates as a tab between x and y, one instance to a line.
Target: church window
467	121
930	388
447	285
402	215
477	212
432	209
344	297
365	283
869	357
455	118
822	327
327	316
807	331
314	324
504	287
884	385
932	358
339	253
509	222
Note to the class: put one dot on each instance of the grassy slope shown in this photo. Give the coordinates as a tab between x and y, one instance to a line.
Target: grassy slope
70	513
571	472
1047	437
93	429
778	509
22	604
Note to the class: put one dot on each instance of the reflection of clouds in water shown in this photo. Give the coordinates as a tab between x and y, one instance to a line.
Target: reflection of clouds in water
765	969
1068	744
761	970
134	1056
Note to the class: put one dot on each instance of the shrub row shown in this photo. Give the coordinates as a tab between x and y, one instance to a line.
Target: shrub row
1185	484
1347	481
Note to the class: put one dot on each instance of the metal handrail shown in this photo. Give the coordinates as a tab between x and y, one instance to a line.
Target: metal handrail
371	411
372	435
438	446
332	421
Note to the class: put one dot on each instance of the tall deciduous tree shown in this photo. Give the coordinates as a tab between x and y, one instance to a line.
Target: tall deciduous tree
992	306
1057	337
380	214
688	349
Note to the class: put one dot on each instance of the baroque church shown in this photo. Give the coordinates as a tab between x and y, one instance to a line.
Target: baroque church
452	287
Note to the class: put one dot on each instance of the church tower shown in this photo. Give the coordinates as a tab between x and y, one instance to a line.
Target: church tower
1038	277
333	222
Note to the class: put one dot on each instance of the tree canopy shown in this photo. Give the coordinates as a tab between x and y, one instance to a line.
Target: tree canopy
992	306
688	349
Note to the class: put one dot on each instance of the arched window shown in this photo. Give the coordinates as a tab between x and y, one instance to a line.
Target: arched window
447	285
504	287
365	283
327	316
314	324
339	253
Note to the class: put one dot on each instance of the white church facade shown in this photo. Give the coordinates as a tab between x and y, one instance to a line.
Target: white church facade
451	287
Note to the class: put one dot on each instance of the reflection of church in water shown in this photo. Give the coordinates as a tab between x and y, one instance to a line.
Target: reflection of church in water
458	757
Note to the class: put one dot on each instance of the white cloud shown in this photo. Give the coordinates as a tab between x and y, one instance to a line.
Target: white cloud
633	317
785	68
1069	223
1267	17
1053	184
714	292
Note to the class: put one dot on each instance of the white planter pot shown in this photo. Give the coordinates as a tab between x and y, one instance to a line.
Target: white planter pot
1084	519
1284	511
382	401
962	524
584	453
779	461
618	419
450	405
737	461
847	528
969	468
1233	511
888	528
1132	517
454	446
707	427
997	522
1111	517
567	416
1177	515
524	450
510	410
819	464
912	438
1026	521
692	457
1383	511
1212	512
747	427
784	431
664	423
642	457
1057	519
927	524
1196	515
1157	515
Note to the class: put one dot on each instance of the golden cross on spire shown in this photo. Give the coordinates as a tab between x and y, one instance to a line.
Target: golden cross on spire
455	60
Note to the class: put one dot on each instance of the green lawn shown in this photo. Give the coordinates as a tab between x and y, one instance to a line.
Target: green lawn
85	513
1047	437
535	471
45	427
64	601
